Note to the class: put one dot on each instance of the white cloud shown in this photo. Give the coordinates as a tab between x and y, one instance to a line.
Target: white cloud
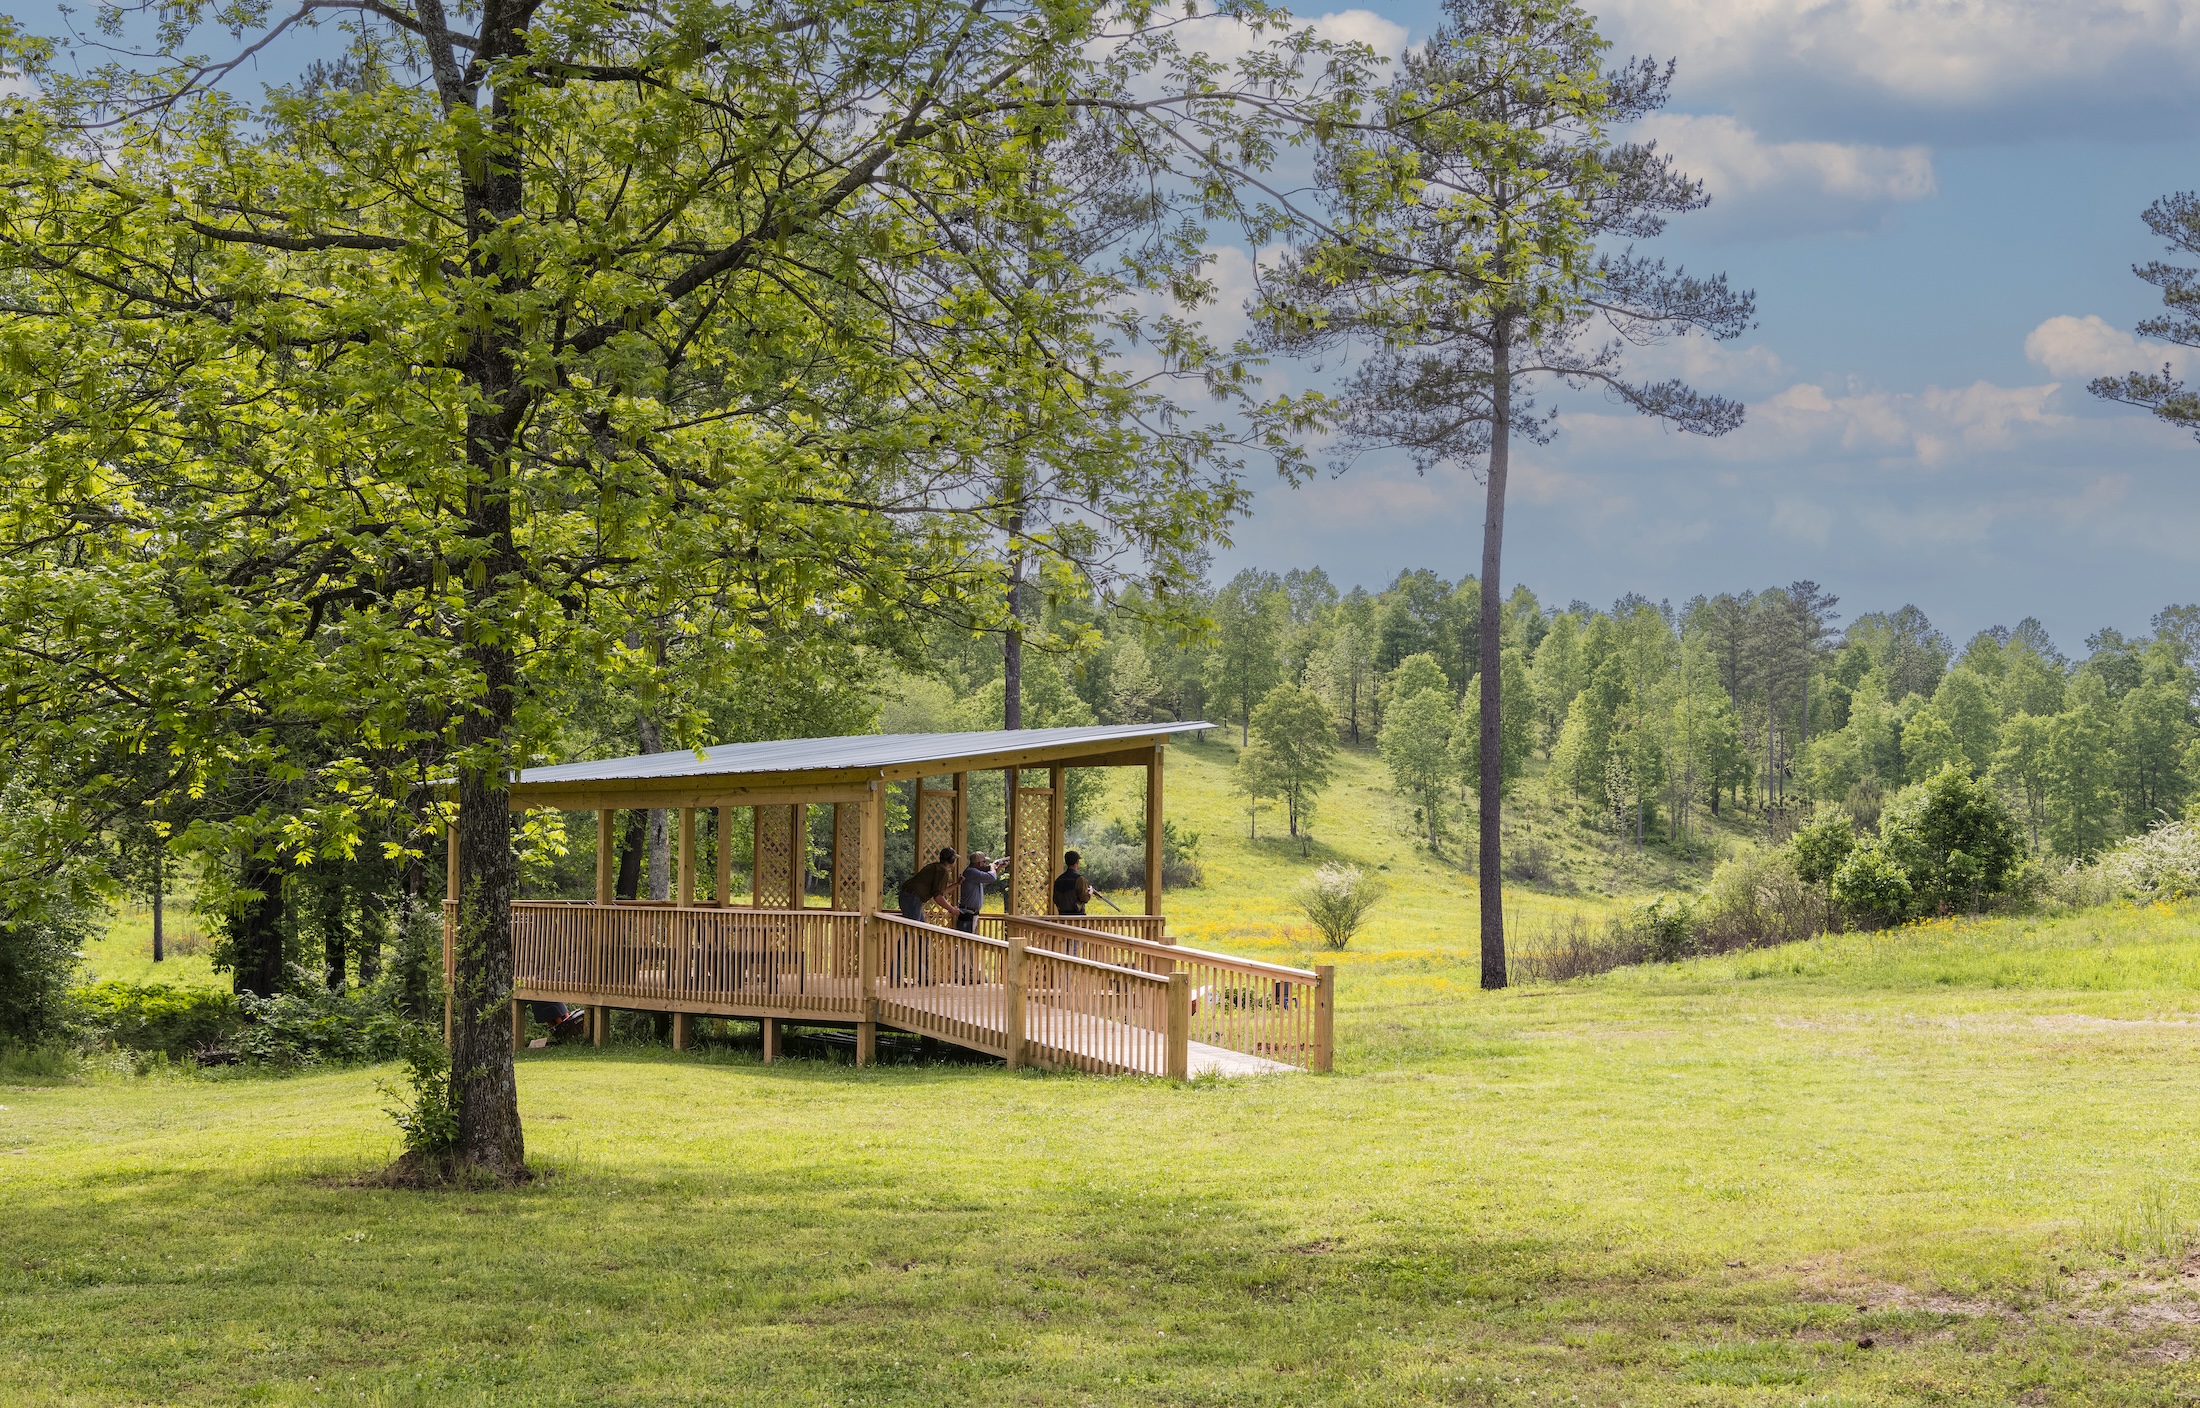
2083	348
1762	187
1984	67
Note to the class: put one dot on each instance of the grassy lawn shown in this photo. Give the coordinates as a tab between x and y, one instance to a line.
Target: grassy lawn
1952	1165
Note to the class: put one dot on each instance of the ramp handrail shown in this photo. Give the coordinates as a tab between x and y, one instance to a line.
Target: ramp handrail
1028	1006
1239	1004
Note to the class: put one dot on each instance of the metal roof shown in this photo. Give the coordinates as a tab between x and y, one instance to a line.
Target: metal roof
864	751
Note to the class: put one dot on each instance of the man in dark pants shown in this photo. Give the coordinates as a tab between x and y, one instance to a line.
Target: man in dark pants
979	874
935	882
1070	890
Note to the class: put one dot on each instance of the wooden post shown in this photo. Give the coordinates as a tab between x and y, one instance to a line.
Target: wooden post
871	946
681	1023
771	1040
605	877
1012	994
519	1026
961	841
798	852
1325	1018
724	894
1180	1026
599	1024
1012	841
1057	796
1154	822
450	922
683	890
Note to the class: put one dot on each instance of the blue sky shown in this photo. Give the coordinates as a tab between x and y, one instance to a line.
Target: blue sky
1937	202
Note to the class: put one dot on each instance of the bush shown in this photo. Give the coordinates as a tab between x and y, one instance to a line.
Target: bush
1954	839
424	1113
1870	884
312	1025
37	956
1668	928
2164	861
1756	899
154	1016
1117	860
1337	899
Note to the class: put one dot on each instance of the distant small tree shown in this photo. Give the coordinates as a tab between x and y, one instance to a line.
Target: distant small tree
1255	779
1871	884
1416	747
1820	849
1297	741
1337	899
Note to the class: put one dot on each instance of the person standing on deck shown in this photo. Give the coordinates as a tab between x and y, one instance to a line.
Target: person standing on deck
980	873
1070	890
935	882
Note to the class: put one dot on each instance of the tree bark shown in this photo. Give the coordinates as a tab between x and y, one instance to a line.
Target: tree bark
160	883
631	847
1012	642
1489	843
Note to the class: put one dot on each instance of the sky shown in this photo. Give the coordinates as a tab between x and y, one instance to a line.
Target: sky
1937	203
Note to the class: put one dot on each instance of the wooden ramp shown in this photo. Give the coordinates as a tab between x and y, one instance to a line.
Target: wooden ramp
1039	992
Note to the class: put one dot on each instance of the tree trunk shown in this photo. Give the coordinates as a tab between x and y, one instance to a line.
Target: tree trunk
1489	848
631	848
256	931
335	961
484	1092
1012	641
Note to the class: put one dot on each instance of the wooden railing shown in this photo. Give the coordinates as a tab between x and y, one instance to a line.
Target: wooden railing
790	960
1040	1008
1239	1004
1151	927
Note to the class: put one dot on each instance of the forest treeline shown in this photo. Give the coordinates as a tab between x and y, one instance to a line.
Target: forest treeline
1643	717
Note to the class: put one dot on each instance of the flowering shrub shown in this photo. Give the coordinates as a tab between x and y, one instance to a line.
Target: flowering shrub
1336	901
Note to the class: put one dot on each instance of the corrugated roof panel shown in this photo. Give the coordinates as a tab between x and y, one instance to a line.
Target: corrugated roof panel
819	754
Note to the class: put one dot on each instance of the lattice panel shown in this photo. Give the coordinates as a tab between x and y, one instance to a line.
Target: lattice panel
1030	883
775	859
848	856
935	824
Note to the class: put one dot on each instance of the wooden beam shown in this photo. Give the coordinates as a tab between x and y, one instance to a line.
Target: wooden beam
605	876
683	889
696	793
682	1023
1154	822
724	895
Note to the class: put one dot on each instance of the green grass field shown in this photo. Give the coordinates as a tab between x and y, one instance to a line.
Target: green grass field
1951	1165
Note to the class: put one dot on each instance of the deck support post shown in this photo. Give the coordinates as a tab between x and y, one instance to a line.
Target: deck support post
682	1022
722	842
1057	799
1180	1026
1325	1018
599	1024
771	1039
604	862
961	828
1153	833
1012	999
870	862
683	889
519	1026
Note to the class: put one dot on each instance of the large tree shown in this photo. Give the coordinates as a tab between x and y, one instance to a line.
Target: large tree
1469	247
546	338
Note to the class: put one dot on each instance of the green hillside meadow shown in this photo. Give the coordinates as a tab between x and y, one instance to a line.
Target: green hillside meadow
1948	1164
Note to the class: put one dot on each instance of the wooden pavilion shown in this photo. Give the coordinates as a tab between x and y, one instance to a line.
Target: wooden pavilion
1104	992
